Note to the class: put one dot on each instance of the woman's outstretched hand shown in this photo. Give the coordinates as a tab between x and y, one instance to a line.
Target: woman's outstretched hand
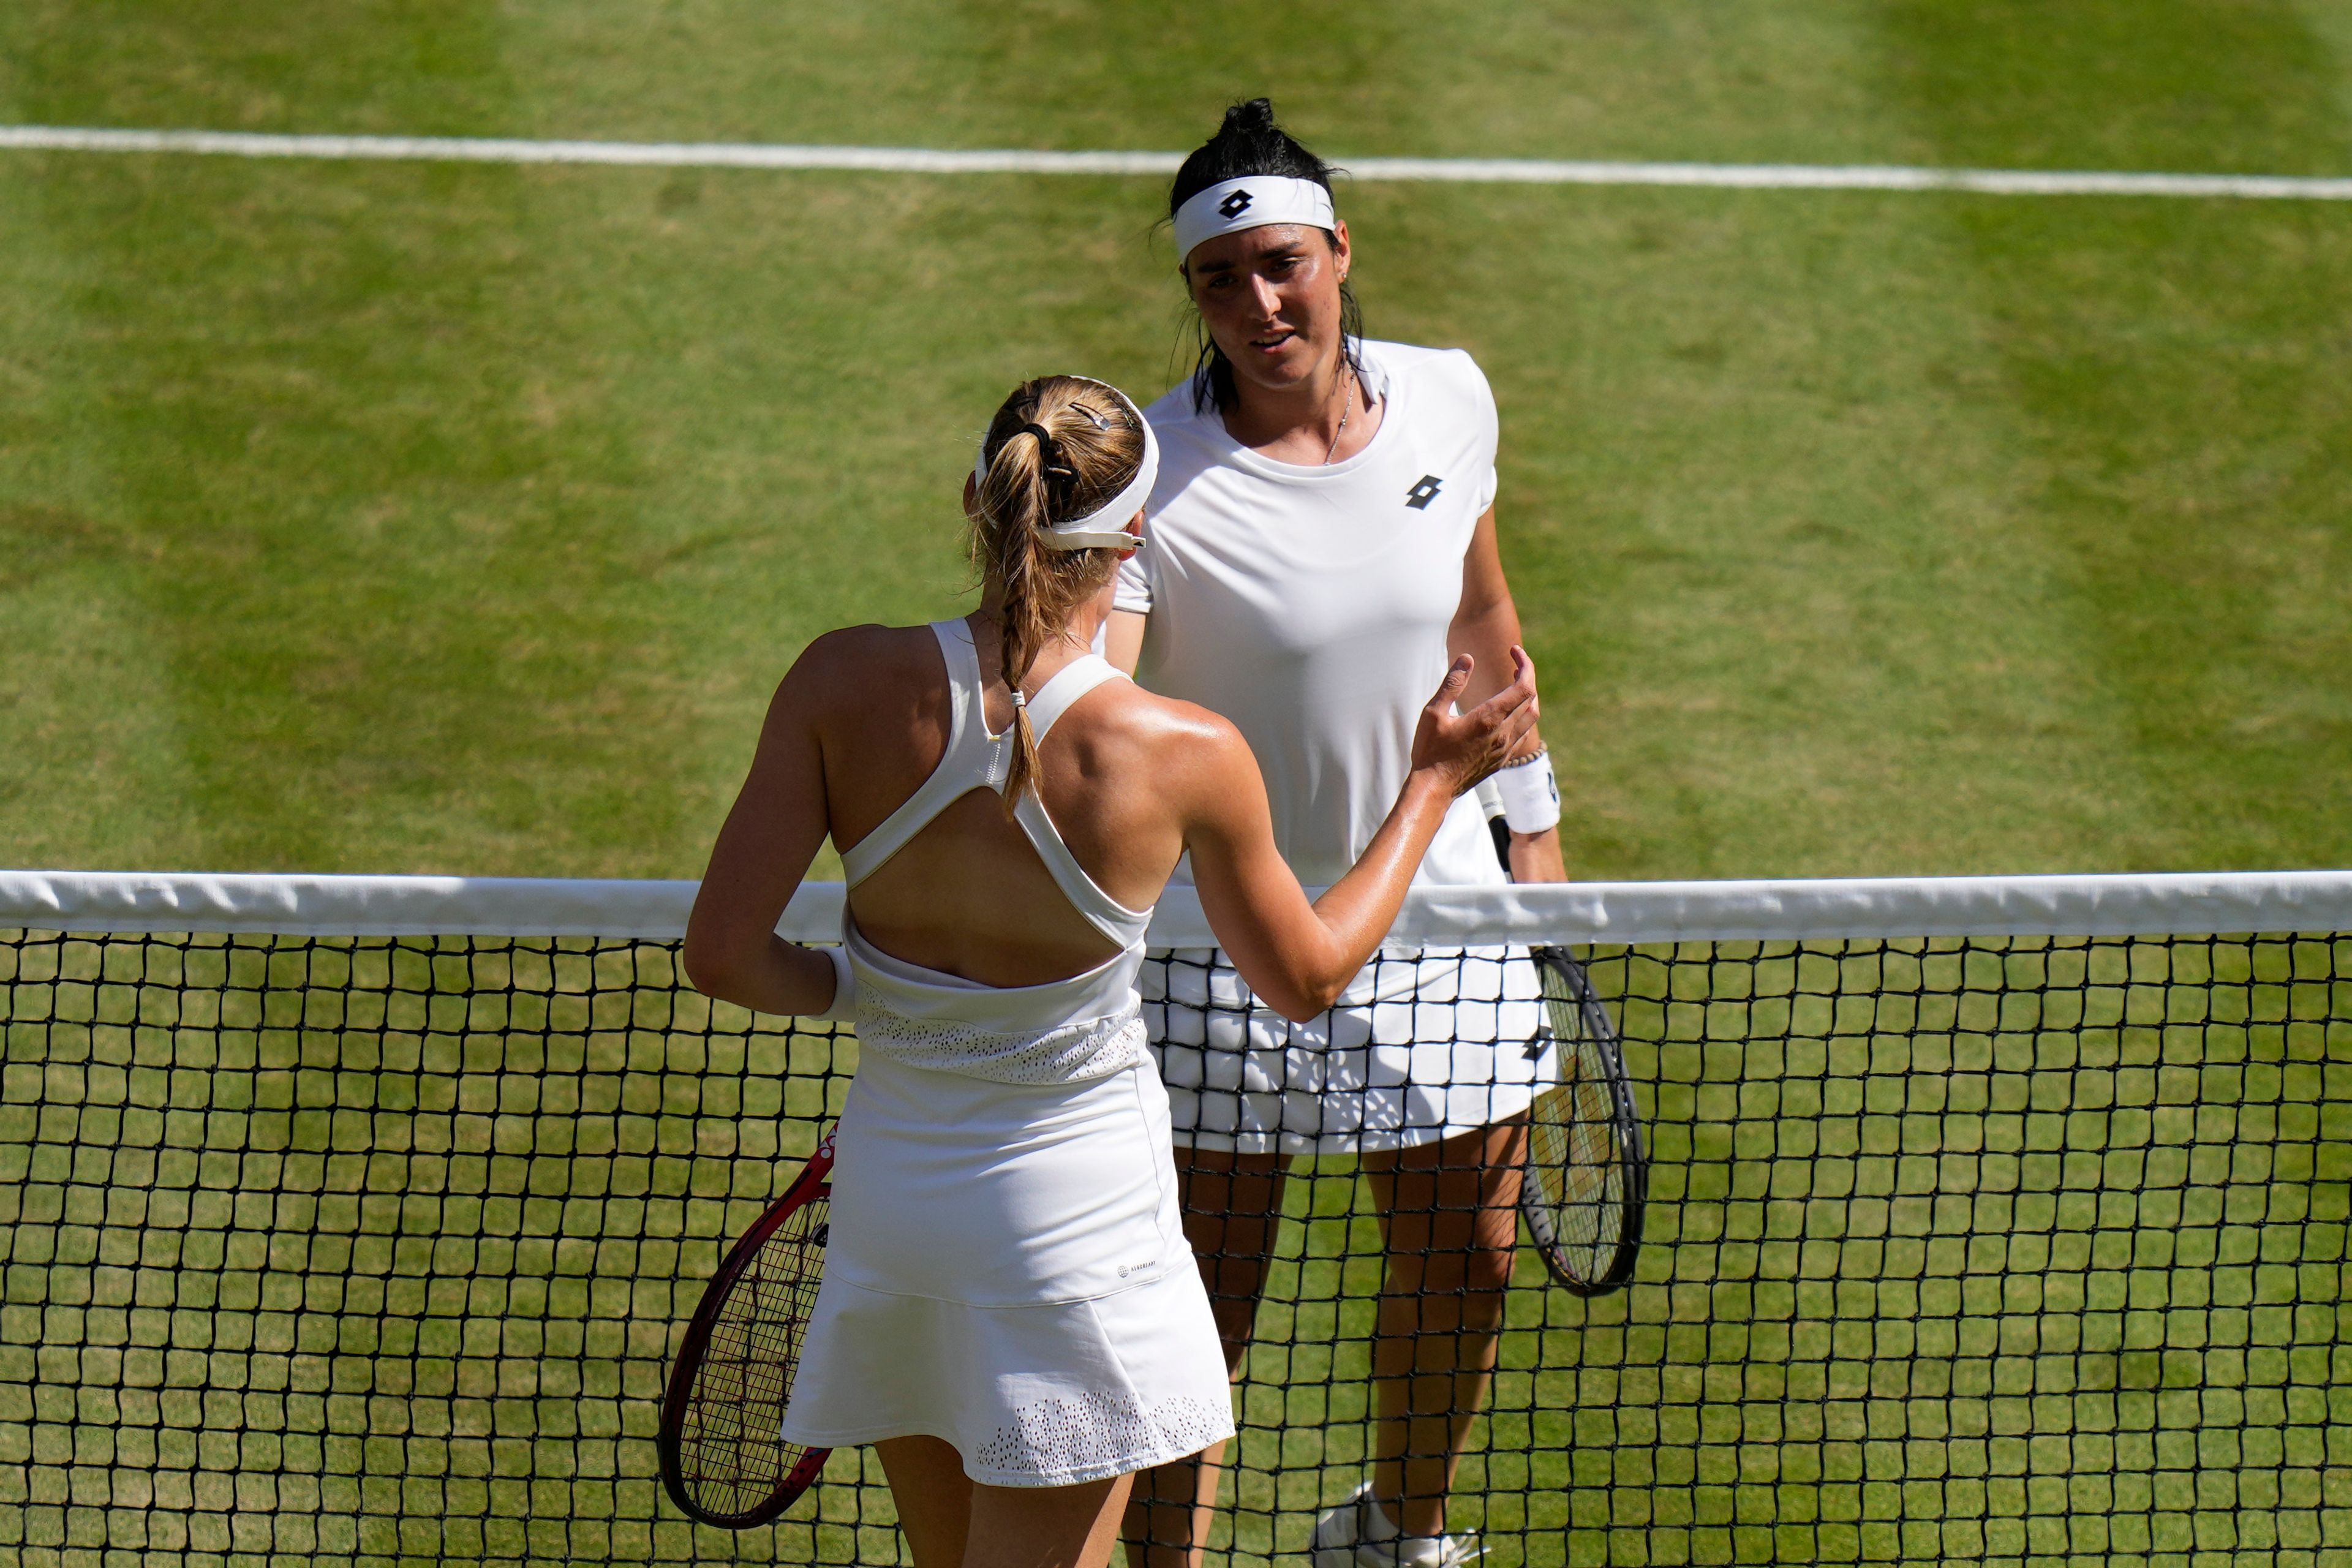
1299	959
1462	749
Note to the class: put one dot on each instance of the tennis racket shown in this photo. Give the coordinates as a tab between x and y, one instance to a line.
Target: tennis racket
723	1458
1586	1175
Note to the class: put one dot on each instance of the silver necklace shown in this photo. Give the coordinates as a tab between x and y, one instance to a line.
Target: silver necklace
1347	401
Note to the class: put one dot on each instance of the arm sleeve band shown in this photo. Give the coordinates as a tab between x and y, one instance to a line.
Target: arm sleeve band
1530	795
843	1004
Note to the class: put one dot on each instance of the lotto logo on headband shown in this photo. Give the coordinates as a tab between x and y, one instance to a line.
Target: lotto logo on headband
1256	202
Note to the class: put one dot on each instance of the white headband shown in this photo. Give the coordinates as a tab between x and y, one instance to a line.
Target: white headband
1252	202
1079	532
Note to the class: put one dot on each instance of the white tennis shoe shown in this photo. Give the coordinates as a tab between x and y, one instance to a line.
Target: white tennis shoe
1357	1535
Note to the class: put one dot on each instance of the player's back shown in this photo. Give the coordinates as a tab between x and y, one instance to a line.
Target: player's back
968	894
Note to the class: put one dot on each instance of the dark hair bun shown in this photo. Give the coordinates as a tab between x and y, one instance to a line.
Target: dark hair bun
1255	117
1249	143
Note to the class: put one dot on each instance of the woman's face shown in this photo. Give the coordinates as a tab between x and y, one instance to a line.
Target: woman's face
1271	299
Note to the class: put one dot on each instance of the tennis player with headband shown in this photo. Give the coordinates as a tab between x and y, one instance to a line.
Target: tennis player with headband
1009	1309
1322	542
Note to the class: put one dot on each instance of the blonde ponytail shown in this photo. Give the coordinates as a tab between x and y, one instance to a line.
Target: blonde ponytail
1058	446
1017	495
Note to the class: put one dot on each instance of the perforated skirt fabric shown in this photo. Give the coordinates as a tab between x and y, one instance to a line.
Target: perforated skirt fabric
1006	1271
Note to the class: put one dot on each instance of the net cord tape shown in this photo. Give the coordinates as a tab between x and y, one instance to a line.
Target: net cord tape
2109	905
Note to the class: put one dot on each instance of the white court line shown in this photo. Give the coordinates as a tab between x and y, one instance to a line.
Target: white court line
948	161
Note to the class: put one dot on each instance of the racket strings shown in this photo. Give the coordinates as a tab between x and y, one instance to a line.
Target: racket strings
1577	1155
1582	1165
731	1451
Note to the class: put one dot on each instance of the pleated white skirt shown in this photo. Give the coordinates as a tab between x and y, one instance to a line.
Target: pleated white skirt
1422	1045
1006	1271
1030	1397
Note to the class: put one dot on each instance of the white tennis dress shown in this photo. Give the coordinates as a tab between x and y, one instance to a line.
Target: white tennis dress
1006	1269
1310	607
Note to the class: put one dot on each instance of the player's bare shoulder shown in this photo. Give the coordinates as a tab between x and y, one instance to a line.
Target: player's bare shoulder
1187	753
853	655
854	675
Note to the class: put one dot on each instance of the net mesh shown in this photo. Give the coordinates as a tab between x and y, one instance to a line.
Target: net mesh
368	1250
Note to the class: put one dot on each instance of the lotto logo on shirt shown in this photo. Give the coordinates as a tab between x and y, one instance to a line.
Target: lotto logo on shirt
1422	494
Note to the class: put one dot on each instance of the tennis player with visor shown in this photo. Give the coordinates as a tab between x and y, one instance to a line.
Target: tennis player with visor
1322	544
1009	1309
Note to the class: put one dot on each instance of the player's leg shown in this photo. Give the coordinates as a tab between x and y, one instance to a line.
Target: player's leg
951	1522
933	1496
1045	1527
1232	1205
1449	1218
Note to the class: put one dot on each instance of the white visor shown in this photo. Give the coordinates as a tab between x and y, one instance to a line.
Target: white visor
1099	529
1251	203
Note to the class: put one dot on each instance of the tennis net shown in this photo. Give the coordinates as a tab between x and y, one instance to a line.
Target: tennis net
355	1220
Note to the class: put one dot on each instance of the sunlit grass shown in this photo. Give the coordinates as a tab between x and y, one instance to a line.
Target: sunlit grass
460	520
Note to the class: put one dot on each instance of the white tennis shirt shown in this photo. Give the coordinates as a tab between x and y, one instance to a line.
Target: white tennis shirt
1309	606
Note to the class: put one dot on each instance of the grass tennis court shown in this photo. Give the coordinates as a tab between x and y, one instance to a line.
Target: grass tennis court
409	518
421	517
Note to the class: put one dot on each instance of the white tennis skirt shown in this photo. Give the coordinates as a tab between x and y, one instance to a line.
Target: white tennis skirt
1006	1271
1424	1045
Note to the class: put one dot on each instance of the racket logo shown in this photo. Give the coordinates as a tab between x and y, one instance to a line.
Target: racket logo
1423	492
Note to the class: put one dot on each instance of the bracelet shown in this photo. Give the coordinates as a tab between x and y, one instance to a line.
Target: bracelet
843	1004
1529	793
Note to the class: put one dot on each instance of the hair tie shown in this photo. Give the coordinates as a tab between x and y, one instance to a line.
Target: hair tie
1049	453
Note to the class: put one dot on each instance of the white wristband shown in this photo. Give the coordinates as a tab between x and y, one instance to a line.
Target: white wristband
1530	794
843	1004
